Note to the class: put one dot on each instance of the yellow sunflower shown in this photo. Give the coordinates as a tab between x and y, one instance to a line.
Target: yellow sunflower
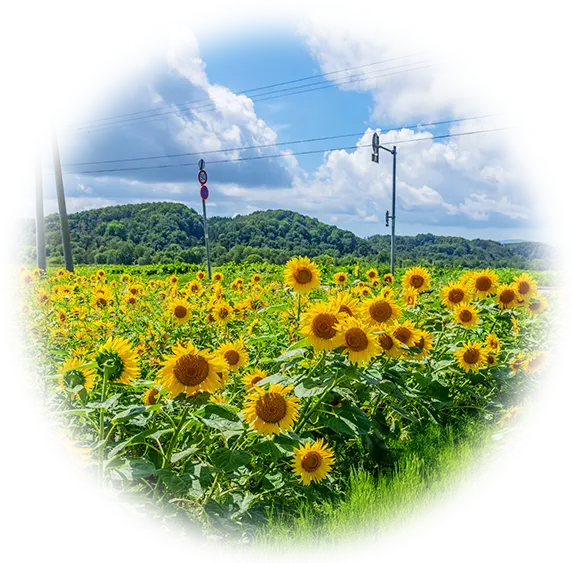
417	278
217	277
406	332
506	296
302	275
410	297
318	325
194	287
74	373
389	345
253	377
389	278
69	456
493	343
483	283
490	359
454	294
234	354
344	303
189	370
566	297
536	362
425	344
151	396
200	275
537	304
118	360
255	278
518	363
271	411
380	310
359	343
340	278
313	462
222	312
372	274
179	310
471	357
466	315
525	285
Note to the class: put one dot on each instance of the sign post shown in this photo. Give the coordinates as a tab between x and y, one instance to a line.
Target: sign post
204	193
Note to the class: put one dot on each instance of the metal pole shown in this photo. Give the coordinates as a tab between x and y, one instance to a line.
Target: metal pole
40	229
65	228
394	208
206	238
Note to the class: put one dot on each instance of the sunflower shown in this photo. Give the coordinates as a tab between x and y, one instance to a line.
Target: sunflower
217	277
179	310
536	362
173	279
537	304
406	332
125	278
313	462
566	297
389	345
372	274
358	342
416	278
222	312
493	343
189	370
483	283
200	275
100	274
380	310
389	278
103	297
375	283
117	359
454	294
340	278
410	297
506	296
425	344
253	377
136	289
194	287
151	396
270	411
346	304
490	359
234	354
75	373
302	275
518	363
525	285
255	278
364	291
471	357
69	456
466	315
318	325
515	326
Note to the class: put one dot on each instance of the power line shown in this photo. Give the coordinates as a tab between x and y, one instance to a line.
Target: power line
267	145
282	93
283	155
277	84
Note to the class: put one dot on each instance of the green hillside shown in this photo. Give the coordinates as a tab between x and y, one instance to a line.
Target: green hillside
151	233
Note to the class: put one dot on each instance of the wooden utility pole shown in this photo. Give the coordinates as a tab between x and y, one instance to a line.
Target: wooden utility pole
65	228
40	230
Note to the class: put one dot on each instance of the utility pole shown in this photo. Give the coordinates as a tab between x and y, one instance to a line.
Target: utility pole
204	194
64	227
40	229
375	158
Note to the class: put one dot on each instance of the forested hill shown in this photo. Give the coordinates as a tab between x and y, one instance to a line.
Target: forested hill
169	232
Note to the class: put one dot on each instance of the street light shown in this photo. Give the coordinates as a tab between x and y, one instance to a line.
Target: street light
375	158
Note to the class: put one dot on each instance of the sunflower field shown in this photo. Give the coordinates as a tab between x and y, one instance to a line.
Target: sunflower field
226	401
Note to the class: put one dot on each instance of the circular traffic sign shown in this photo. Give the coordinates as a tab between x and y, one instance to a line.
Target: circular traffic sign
202	176
204	192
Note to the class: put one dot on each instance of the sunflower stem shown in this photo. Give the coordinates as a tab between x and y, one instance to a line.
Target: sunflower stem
298	308
101	430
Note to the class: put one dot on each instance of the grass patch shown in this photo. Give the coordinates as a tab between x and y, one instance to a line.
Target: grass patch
431	466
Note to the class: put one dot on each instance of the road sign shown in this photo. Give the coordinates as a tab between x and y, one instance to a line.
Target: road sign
201	164
202	177
204	192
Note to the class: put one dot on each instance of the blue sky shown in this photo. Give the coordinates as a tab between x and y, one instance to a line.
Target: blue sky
463	186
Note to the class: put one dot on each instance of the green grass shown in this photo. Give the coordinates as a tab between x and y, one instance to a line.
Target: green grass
431	467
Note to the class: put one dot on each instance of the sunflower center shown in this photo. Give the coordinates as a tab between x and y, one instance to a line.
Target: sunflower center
371	274
465	316
133	290
456	295
403	334
341	278
421	343
191	369
380	311
232	357
311	461
180	311
471	356
534	306
345	309
256	379
323	324
385	341
303	275
271	407
223	313
523	287
483	283
507	296
537	361
490	360
356	339
417	281
102	301
131	300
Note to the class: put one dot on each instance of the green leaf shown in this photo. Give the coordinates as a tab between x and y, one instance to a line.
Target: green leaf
179	455
348	420
402	412
220	518
228	460
308	388
442	364
193	481
221	417
106	404
136	469
273	482
437	390
128	413
291	354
